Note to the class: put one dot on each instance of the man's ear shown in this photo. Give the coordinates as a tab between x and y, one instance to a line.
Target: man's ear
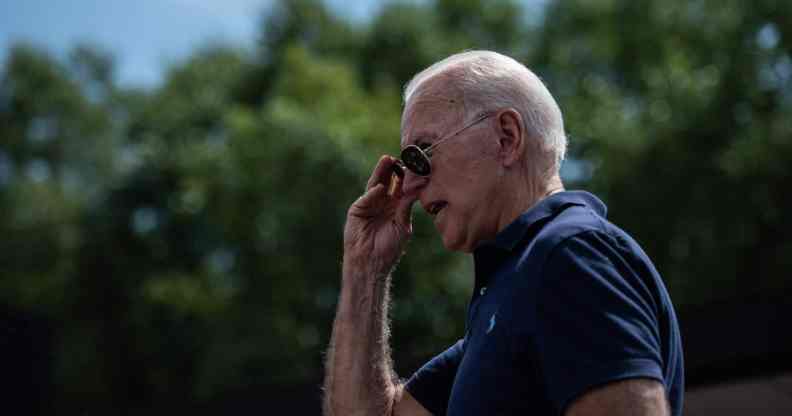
510	128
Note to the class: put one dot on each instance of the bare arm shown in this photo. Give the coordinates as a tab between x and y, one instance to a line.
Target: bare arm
634	397
359	377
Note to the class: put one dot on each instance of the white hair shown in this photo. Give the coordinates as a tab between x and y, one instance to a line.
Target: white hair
490	81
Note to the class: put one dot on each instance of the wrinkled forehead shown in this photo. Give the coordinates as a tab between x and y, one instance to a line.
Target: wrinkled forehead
428	115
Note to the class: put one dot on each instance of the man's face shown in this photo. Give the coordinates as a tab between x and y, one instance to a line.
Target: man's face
460	194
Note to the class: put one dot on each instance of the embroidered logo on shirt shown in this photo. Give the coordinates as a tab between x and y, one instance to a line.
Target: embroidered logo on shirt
492	322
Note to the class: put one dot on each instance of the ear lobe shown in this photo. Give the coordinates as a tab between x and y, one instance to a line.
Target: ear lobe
511	132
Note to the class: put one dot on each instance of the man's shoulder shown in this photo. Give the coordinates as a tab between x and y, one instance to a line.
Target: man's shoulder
574	221
576	224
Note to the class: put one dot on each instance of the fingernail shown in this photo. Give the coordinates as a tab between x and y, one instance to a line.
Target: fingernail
394	182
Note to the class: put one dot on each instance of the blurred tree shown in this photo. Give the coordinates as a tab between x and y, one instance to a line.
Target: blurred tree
56	154
680	110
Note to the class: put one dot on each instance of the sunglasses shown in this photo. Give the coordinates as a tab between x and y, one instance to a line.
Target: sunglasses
418	160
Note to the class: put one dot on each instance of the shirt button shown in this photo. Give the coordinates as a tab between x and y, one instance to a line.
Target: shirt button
483	291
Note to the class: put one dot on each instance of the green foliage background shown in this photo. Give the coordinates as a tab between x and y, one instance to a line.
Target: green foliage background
184	242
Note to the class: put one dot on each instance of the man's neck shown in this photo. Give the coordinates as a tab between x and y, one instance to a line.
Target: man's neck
526	197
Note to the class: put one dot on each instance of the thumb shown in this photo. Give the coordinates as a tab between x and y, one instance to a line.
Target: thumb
404	211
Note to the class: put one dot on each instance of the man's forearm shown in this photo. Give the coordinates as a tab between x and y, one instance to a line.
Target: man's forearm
359	376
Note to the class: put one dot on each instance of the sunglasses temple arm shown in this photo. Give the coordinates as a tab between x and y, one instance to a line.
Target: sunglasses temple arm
428	150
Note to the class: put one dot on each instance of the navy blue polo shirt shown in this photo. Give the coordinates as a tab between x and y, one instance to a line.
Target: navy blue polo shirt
564	301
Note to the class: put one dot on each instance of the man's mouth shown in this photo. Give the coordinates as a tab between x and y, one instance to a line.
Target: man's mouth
434	208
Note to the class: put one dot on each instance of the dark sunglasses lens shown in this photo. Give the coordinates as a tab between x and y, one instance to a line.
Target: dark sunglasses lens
416	160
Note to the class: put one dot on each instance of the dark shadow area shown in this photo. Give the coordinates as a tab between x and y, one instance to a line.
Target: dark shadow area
737	339
25	362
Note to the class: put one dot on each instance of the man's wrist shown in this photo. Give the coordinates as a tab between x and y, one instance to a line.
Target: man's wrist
359	269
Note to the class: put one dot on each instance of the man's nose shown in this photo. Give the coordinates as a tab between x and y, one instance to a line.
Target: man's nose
413	183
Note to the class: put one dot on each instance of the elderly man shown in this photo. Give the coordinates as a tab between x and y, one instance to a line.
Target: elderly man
568	315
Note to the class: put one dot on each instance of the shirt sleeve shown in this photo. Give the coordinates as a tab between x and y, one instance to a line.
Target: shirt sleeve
431	384
596	318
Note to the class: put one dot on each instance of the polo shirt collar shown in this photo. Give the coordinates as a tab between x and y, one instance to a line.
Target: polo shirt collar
510	236
489	255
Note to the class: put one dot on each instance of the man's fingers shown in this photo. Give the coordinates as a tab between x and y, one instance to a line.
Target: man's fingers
382	172
369	200
404	210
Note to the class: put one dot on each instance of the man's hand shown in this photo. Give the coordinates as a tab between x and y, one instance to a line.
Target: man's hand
378	224
359	378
